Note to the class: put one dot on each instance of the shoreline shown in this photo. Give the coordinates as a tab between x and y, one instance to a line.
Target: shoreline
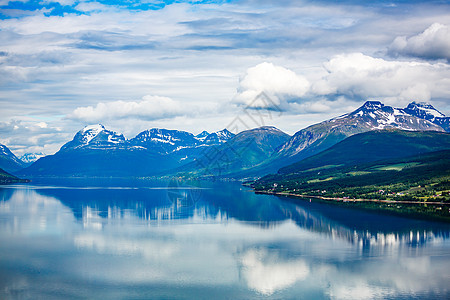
337	199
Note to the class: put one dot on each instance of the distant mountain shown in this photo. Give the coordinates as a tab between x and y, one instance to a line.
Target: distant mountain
97	151
243	151
373	115
218	137
95	137
202	136
165	141
29	158
8	161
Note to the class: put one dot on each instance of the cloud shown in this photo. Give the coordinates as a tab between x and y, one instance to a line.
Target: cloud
433	43
358	77
30	136
97	52
278	83
346	80
149	108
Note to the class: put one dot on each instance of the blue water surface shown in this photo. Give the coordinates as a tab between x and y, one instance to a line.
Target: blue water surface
122	239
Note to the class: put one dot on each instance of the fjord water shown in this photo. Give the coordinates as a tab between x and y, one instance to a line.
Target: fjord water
197	240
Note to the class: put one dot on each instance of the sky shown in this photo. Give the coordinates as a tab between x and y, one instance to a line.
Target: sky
206	65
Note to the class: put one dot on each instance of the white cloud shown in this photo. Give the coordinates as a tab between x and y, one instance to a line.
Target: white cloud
31	135
52	65
279	83
149	108
357	76
433	43
346	81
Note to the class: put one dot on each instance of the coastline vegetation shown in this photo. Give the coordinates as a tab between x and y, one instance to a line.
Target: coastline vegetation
418	185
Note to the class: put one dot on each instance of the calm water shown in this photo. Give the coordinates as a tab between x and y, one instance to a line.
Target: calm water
177	240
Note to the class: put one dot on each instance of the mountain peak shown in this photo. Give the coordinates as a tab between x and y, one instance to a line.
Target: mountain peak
202	136
224	132
95	136
219	137
423	110
425	107
203	133
372	105
91	131
94	127
420	104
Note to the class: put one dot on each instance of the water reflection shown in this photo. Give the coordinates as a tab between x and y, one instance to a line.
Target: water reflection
220	239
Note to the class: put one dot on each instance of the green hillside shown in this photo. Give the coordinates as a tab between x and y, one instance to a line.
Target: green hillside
398	183
242	152
372	146
366	171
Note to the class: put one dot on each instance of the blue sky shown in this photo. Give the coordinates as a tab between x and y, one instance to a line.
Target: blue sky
14	9
195	65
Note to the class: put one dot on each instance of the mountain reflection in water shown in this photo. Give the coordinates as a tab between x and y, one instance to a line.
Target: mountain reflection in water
195	240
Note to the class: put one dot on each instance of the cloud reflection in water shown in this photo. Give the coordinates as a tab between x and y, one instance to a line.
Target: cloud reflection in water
252	245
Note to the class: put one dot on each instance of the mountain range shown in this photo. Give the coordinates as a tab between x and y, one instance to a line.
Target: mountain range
97	151
373	115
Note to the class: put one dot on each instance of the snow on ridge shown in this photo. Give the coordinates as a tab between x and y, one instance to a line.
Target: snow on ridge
94	128
31	157
91	131
426	109
435	113
112	140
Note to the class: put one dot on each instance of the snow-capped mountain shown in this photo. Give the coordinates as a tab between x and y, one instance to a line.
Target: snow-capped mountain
424	111
428	112
95	136
202	136
218	137
98	151
370	116
164	141
29	158
8	161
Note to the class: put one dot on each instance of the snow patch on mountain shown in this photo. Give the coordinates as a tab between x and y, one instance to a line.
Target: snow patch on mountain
424	110
29	158
91	131
202	136
372	115
219	137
